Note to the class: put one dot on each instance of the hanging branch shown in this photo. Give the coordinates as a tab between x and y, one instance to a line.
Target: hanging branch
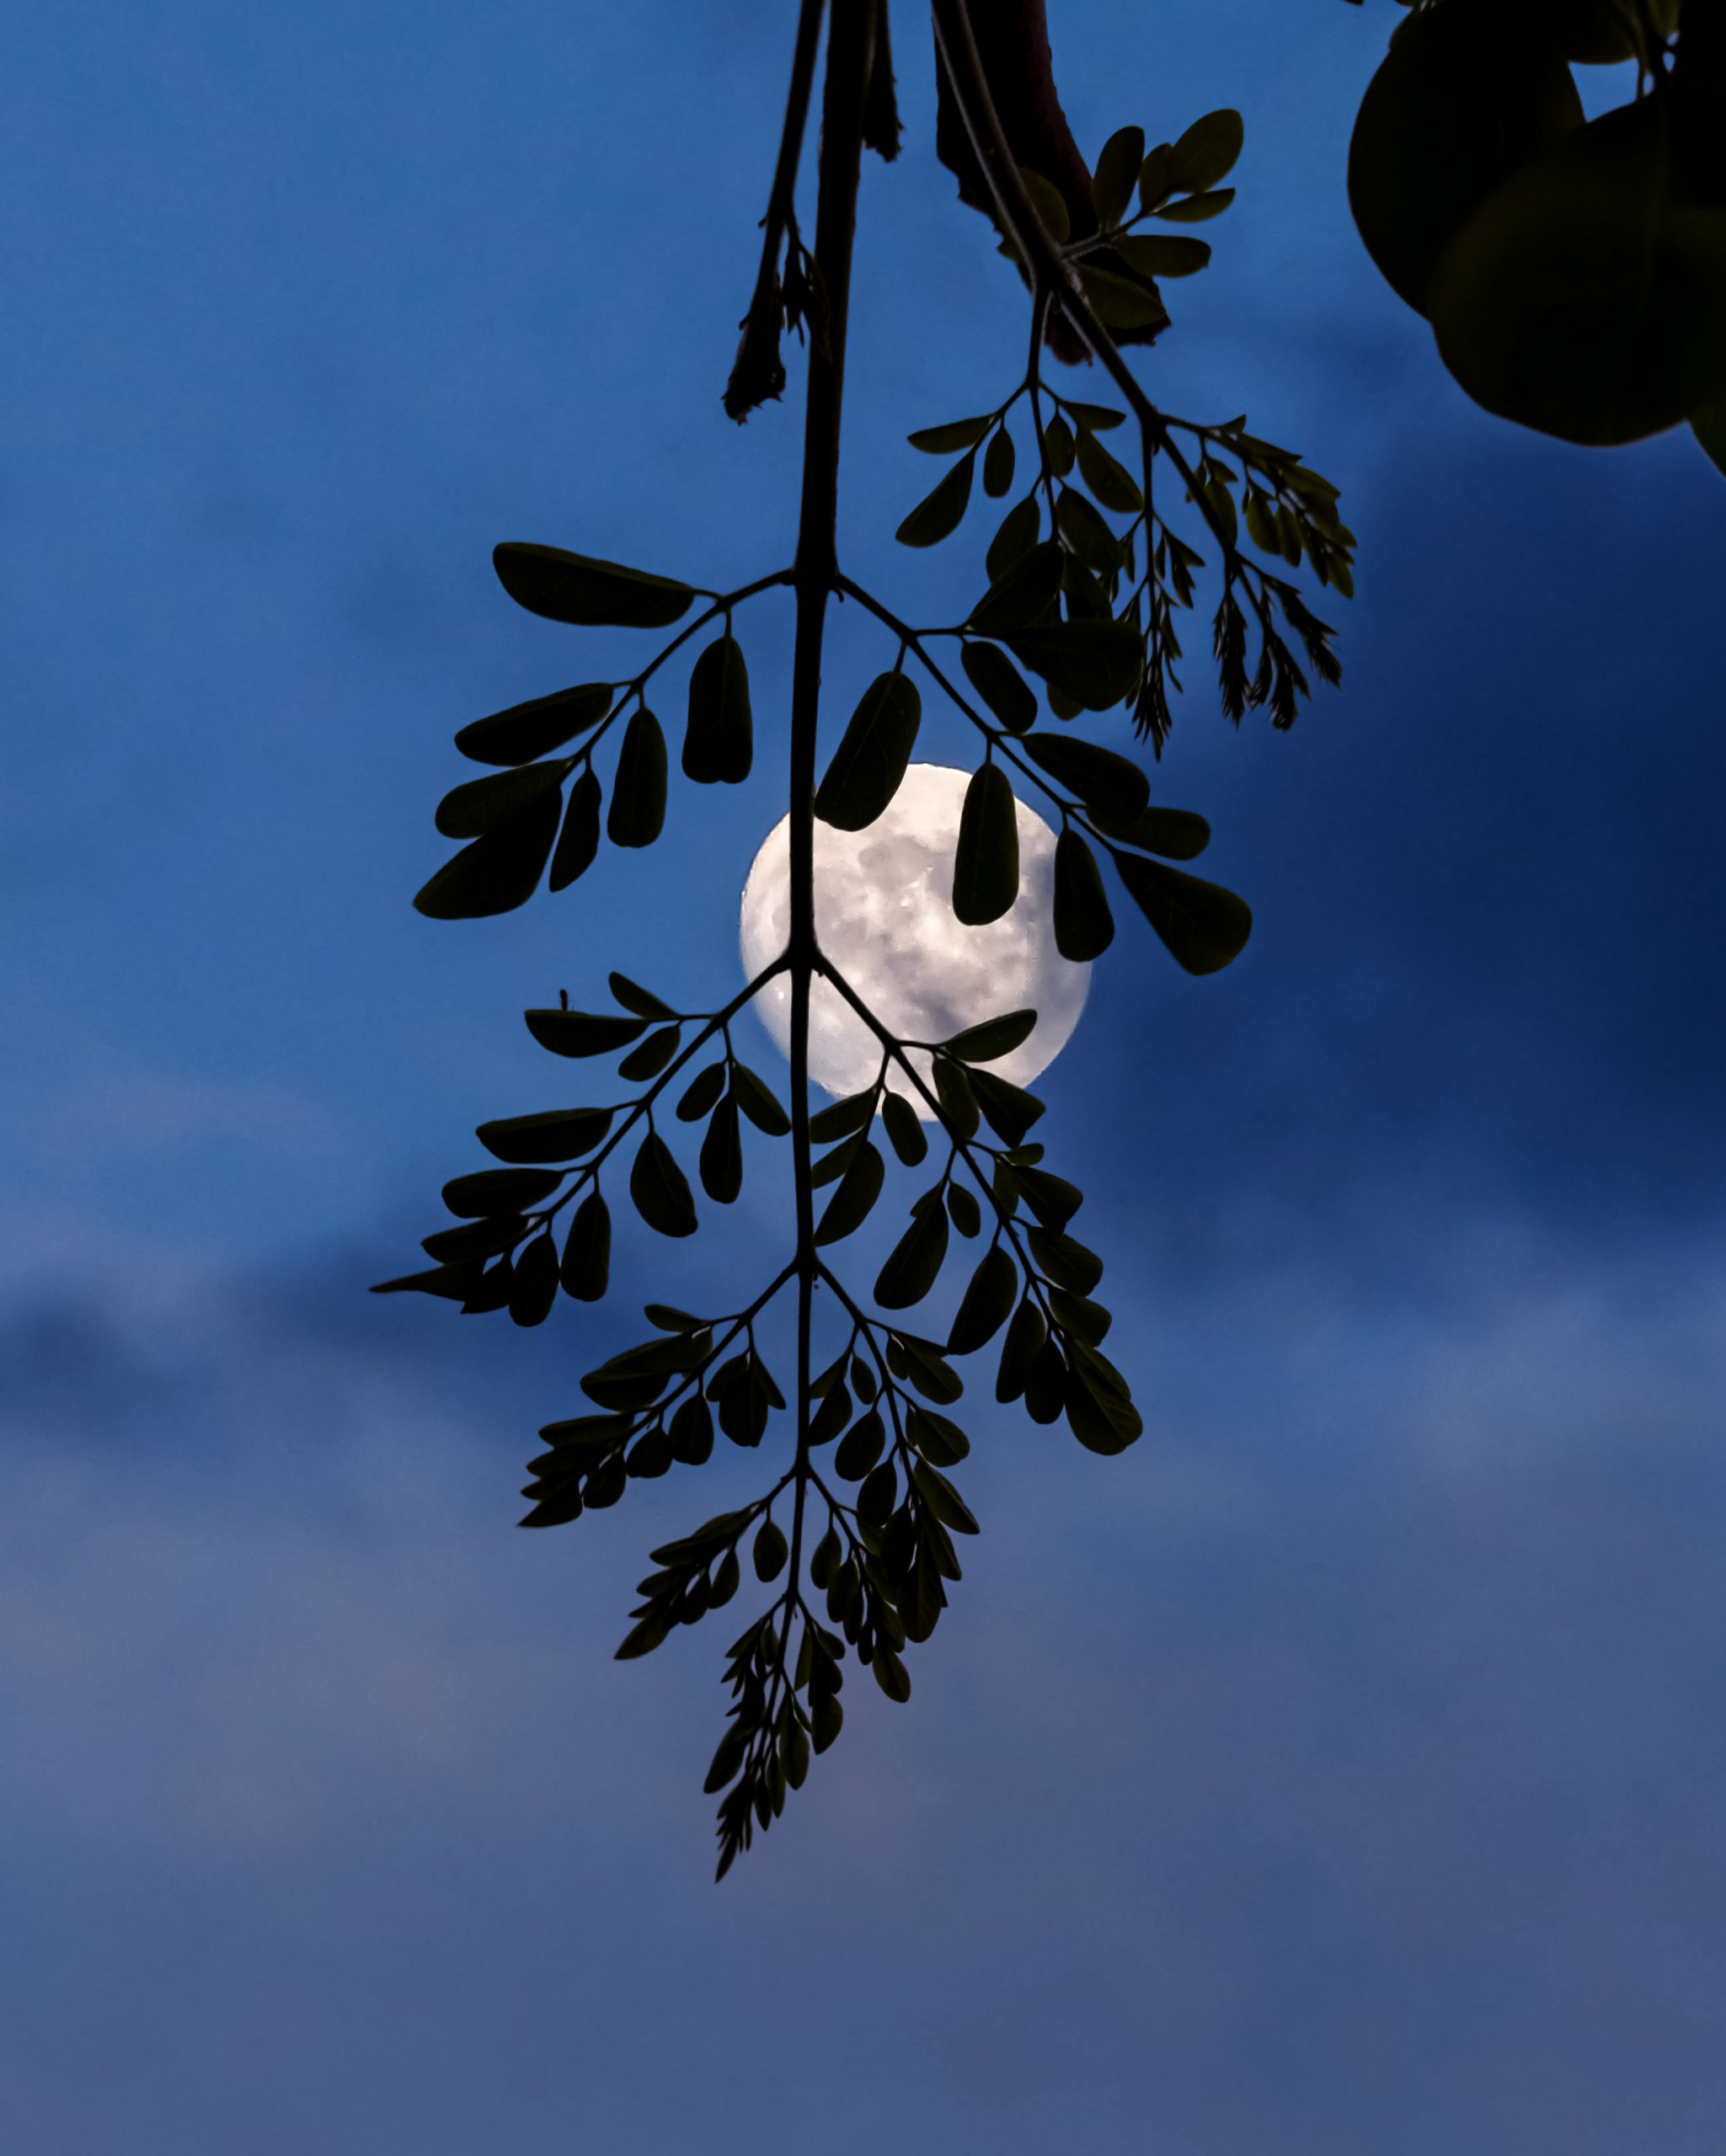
1078	620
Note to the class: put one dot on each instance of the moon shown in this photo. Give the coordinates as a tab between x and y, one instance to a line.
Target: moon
883	916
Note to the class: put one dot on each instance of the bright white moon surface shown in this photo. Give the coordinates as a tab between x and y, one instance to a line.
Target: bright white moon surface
884	916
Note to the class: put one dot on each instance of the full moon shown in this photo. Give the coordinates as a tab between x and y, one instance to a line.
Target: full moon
883	916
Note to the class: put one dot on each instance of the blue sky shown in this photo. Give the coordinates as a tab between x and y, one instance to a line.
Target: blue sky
1339	1770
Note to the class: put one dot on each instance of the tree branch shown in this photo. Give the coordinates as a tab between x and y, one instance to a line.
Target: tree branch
757	372
849	59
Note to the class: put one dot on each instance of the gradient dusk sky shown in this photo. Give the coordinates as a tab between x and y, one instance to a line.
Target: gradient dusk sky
1338	1773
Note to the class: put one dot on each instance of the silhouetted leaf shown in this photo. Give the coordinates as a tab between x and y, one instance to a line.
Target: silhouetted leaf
587	1251
634	997
651	1632
704	1088
589	593
637	810
497	872
1086	1320
759	1105
1117	174
654	1053
855	1113
526	731
955	435
1120	302
938	1440
1198	209
578	842
1025	1340
1064	1261
1084	927
963	1209
1051	1198
890	1674
1023	594
905	1131
986	860
691	1431
1203	926
998	682
492	1291
481	804
560	1135
770	1551
1206	152
938	1494
499	1190
992	1039
1010	1110
941	511
1094	774
533	1288
1176	833
986	1304
1098	663
959	1105
721	1160
718	741
582	1032
1107	477
872	753
481	1239
914	1263
1086	531
998	461
1018	534
660	1190
860	1448
1165	255
849	1206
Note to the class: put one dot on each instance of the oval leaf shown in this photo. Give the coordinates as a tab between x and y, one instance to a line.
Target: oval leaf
637	811
584	591
587	1251
1203	926
562	1134
578	842
986	1304
940	512
497	872
468	811
721	1159
1084	927
994	1037
986	860
661	1192
914	1263
499	1190
526	731
1094	774
849	1205
870	760
1098	663
1207	152
582	1032
1001	686
719	742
